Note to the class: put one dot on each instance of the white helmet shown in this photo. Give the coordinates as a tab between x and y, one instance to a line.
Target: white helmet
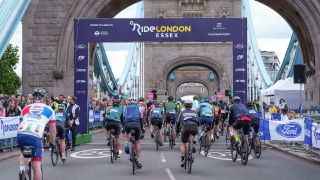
133	100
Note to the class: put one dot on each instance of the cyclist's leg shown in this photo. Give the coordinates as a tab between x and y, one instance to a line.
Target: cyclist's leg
233	129
117	129
61	135
36	166
160	122
184	140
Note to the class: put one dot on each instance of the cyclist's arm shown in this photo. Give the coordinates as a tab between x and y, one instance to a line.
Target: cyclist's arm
52	130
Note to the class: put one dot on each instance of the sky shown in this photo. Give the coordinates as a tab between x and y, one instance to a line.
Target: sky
272	33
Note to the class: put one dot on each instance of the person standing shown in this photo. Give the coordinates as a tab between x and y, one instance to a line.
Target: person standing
73	111
283	107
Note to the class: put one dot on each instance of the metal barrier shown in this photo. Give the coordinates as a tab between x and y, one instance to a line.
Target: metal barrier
8	144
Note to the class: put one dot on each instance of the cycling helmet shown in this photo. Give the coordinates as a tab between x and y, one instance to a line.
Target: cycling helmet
156	103
141	99
61	106
206	100
236	98
133	100
39	94
170	98
249	103
188	103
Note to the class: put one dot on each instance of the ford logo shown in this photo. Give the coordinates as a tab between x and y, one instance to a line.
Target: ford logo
36	109
289	130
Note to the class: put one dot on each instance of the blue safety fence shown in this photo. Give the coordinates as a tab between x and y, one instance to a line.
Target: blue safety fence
9	143
96	119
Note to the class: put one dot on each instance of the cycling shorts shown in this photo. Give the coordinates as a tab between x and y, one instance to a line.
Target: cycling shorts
35	142
157	121
133	125
245	125
60	130
188	129
255	125
171	118
206	121
113	125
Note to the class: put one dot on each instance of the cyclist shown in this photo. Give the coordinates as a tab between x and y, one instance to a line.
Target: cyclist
34	119
144	105
255	120
113	118
142	108
238	119
217	119
189	121
195	104
132	116
156	115
206	115
171	114
61	117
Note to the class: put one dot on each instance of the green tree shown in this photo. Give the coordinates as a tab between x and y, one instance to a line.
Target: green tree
9	80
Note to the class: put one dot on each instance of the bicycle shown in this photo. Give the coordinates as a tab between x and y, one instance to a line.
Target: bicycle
205	142
242	149
113	154
228	138
28	173
171	138
256	147
156	132
188	159
55	152
133	155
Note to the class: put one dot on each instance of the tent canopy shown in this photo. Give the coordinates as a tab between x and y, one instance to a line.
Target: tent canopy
282	85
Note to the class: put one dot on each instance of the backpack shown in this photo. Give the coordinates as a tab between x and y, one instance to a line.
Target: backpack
206	112
132	113
114	114
156	113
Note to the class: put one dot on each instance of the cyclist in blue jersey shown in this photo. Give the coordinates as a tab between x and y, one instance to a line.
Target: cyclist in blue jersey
61	117
239	118
114	117
206	114
132	114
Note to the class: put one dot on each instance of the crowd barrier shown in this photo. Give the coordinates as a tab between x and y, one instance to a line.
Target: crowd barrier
275	127
8	132
95	119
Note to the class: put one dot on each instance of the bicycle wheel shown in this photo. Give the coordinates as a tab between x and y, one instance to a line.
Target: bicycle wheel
133	167
190	157
112	149
234	151
257	149
55	155
30	170
228	139
244	153
207	145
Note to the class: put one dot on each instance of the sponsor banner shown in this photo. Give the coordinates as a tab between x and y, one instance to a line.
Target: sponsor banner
91	117
9	127
98	116
316	135
308	131
264	132
164	30
292	130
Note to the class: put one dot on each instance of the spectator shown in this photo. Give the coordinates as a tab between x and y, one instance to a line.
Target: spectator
13	109
21	104
283	107
28	102
273	108
73	111
2	110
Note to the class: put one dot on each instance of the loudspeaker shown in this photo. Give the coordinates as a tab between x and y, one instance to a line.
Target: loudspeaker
299	74
226	92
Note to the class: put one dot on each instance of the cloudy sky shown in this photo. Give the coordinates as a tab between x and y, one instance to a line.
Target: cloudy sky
272	32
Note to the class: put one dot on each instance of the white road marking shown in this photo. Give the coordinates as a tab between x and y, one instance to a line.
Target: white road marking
163	159
92	154
170	174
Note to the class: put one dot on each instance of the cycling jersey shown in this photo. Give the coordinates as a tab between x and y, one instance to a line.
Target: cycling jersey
170	108
188	116
34	119
206	110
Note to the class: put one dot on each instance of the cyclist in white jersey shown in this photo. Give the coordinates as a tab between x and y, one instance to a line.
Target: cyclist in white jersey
30	131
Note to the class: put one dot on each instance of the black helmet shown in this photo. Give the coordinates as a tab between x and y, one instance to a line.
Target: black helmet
188	103
170	98
141	99
249	103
